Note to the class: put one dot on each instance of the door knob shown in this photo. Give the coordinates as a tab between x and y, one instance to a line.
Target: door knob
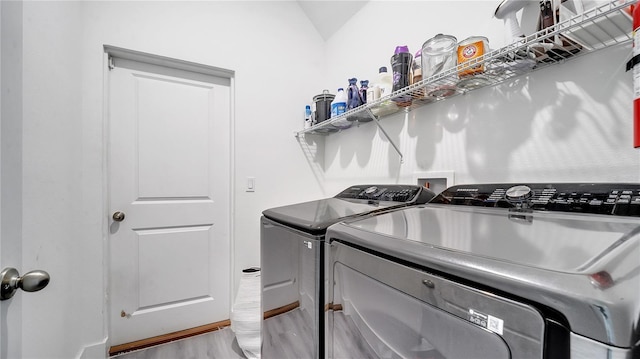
118	216
32	281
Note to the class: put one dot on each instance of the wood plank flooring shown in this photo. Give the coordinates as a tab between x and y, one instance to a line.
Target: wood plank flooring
222	344
348	342
288	336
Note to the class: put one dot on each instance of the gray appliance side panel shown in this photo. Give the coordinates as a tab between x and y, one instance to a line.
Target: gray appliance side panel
289	261
520	325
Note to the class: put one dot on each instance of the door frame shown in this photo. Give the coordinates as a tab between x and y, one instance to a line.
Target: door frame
11	168
118	52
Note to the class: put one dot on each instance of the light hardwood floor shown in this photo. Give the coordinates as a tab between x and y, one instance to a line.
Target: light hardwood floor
222	344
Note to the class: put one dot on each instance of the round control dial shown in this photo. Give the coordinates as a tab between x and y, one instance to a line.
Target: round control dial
519	193
371	190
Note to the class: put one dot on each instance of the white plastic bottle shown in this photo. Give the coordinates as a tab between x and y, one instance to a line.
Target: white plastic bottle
383	86
373	92
384	80
339	103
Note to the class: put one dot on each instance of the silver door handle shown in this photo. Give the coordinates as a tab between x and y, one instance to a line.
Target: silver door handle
32	281
118	216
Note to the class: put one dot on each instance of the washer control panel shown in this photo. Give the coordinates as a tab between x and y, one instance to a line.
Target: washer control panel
392	193
622	199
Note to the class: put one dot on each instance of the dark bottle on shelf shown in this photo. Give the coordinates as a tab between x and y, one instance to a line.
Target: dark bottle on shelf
353	94
364	86
401	63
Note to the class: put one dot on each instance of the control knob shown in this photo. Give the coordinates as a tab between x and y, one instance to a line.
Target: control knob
518	193
371	190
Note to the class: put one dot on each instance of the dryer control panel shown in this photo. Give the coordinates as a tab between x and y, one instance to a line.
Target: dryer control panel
388	192
621	199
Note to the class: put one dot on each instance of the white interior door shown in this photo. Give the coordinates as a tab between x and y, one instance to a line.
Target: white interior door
169	174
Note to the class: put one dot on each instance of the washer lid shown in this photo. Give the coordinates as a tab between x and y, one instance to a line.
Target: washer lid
551	241
315	216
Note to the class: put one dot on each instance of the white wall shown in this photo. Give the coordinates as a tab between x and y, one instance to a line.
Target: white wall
571	122
567	123
278	61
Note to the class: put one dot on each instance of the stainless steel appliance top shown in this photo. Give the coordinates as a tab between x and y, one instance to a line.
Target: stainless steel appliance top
315	216
571	247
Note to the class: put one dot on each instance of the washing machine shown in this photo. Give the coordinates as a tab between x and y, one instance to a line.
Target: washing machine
293	263
524	271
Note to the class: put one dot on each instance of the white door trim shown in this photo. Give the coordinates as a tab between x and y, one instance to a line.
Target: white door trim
167	62
117	52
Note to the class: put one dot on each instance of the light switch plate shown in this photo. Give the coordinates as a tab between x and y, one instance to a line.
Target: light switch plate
251	184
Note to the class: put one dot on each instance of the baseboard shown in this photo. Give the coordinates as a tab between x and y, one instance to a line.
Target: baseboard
281	310
161	339
165	338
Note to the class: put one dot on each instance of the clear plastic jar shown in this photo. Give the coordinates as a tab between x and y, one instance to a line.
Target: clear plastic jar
438	55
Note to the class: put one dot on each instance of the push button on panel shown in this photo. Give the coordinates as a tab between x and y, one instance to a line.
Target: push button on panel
622	200
497	195
560	203
634	206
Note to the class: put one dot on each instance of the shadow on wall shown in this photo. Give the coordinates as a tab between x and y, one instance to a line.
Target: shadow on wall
500	123
361	141
394	133
363	155
428	128
498	120
393	126
351	149
540	121
313	149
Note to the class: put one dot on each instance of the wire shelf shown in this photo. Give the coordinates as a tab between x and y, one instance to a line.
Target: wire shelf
597	28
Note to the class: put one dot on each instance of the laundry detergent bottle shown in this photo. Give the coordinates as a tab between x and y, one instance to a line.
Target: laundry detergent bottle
401	62
339	103
364	90
384	82
382	86
354	98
